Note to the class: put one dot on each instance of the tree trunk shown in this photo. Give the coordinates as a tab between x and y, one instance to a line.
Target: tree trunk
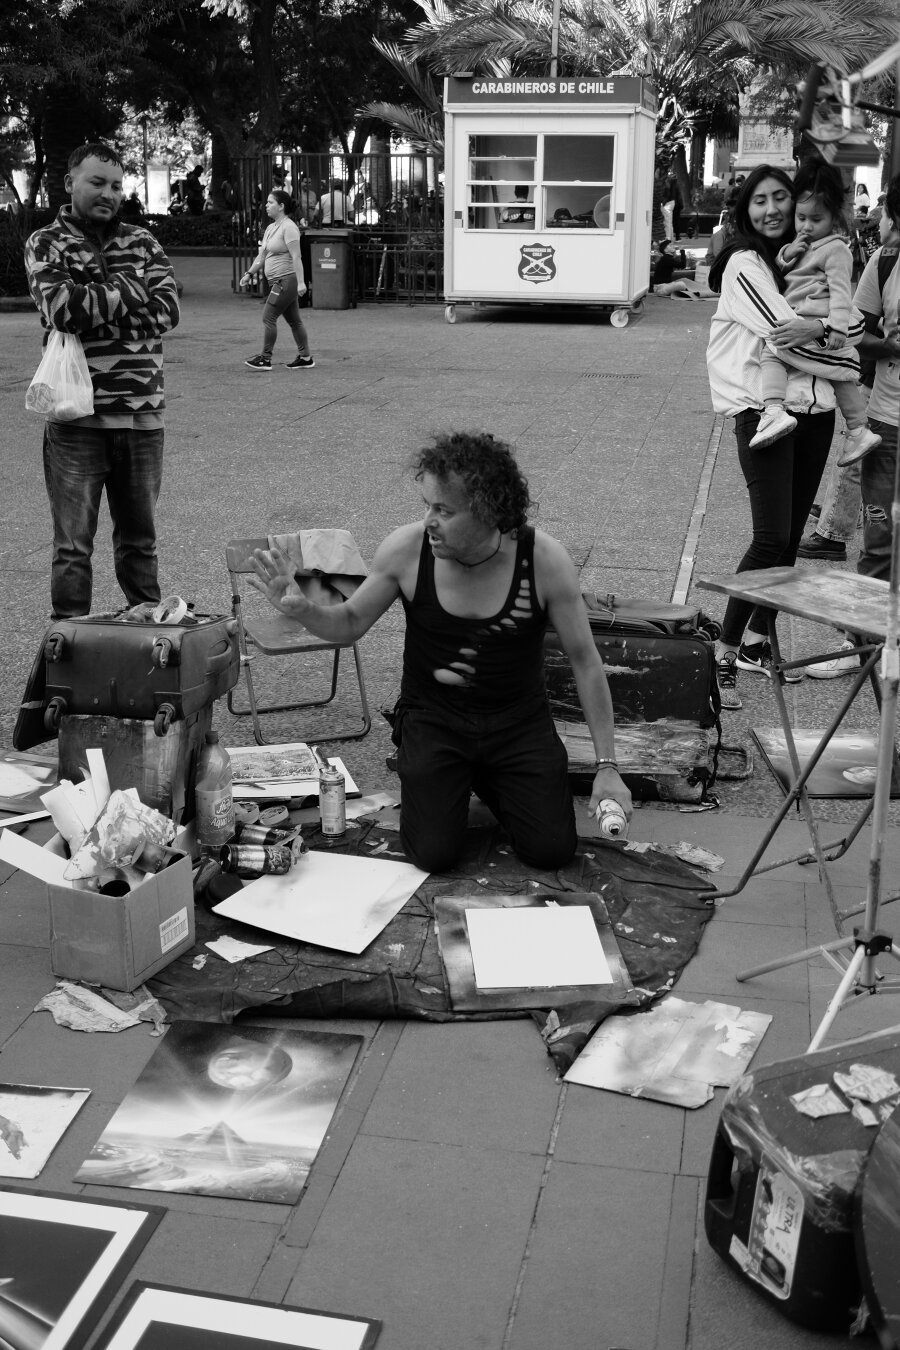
380	169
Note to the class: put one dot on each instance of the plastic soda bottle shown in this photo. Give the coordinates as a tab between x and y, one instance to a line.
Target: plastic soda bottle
213	799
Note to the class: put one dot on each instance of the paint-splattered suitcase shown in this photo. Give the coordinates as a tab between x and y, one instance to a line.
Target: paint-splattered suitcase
660	664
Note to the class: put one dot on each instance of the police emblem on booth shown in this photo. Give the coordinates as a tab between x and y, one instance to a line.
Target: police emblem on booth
536	263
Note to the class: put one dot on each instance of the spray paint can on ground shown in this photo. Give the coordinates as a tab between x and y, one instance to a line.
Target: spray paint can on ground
332	802
259	834
254	860
611	819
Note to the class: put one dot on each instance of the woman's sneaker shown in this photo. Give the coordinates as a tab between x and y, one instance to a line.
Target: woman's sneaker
726	678
773	424
837	665
259	362
758	656
857	445
301	363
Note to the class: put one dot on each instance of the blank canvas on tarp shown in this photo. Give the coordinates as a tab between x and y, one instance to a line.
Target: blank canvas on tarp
327	899
536	948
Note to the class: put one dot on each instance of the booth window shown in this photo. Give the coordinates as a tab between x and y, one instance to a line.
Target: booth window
547	182
502	182
578	181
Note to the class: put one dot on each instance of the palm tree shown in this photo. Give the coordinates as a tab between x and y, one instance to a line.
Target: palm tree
698	53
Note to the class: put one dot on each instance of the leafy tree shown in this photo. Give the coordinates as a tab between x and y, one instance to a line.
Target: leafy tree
698	53
64	70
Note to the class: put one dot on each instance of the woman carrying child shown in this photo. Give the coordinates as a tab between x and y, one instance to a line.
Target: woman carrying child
781	482
817	267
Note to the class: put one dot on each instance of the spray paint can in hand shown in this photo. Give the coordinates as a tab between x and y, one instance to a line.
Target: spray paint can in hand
332	802
611	819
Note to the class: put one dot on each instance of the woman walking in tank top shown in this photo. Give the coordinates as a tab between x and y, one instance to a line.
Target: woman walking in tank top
279	257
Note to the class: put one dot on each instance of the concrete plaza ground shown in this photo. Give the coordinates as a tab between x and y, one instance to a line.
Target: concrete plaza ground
464	1196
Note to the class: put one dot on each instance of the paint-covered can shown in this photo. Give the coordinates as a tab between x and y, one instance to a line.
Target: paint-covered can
332	802
254	860
258	834
611	819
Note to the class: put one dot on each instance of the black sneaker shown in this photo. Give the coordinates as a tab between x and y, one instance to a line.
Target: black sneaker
259	362
826	550
726	678
759	657
301	363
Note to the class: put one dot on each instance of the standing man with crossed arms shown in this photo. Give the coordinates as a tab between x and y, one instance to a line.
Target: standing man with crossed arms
111	284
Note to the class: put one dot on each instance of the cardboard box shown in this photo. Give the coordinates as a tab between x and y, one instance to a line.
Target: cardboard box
121	941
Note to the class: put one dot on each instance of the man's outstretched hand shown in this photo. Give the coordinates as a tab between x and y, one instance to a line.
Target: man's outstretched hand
274	578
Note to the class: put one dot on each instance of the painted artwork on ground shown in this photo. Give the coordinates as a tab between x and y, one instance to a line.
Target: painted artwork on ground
159	1317
32	1122
221	1110
61	1259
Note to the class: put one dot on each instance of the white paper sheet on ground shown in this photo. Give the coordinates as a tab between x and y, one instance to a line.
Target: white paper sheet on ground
233	951
327	899
283	789
674	1053
27	857
536	948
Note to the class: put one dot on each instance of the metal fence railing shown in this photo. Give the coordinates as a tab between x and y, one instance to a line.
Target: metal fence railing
393	203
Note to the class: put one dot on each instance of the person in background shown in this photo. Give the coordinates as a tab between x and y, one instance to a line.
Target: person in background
193	191
108	281
781	481
132	209
880	306
863	200
307	203
280	259
333	206
479	587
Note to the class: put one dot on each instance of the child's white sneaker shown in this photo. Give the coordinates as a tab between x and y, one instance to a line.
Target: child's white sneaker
857	444
773	424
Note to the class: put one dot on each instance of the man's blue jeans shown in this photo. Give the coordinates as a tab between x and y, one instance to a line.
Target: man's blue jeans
79	462
877	484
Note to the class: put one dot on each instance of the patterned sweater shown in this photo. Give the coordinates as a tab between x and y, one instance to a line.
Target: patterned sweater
118	293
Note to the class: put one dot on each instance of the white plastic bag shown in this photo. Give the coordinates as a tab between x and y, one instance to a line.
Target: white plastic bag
61	387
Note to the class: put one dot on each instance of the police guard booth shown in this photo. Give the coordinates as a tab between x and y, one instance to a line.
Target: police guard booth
548	191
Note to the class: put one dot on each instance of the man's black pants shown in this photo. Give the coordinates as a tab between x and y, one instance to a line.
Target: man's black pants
517	766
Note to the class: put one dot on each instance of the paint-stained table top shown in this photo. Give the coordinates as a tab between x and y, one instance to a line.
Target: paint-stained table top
845	600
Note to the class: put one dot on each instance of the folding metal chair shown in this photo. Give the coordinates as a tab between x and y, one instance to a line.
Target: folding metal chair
272	634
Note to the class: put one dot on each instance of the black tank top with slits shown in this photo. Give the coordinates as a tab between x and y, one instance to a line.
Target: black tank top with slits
475	665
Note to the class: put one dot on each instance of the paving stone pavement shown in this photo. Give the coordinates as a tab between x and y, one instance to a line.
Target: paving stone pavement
463	1195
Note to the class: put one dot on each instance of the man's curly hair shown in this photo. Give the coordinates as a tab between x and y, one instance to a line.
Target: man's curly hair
495	485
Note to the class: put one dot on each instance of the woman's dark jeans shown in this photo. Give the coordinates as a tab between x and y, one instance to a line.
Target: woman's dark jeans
782	480
282	300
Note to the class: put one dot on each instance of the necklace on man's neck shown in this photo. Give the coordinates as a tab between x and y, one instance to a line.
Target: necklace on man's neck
469	566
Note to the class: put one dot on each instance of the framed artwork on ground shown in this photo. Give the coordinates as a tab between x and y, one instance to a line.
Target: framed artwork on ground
61	1259
160	1317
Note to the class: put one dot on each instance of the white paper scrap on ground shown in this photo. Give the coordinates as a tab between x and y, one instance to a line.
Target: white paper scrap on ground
71	1005
327	899
551	947
230	949
674	1053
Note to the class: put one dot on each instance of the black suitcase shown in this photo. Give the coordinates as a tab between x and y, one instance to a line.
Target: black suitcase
110	665
780	1197
660	665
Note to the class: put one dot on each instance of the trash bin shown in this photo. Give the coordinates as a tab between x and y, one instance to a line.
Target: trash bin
331	252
